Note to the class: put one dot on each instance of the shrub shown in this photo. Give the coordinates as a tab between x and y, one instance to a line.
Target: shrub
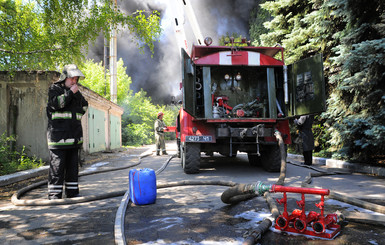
11	160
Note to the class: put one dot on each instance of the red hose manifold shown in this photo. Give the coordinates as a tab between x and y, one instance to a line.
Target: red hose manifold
323	223
313	224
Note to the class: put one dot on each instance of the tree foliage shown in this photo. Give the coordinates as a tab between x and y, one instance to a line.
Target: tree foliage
12	160
351	36
139	118
45	34
356	110
98	80
225	40
258	16
139	111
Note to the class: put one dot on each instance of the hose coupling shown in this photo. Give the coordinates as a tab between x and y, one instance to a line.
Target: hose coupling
259	188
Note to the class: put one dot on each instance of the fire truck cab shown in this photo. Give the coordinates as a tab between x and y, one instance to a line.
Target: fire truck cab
235	98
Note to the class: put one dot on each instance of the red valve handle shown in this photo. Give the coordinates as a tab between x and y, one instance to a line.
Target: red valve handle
301	203
281	201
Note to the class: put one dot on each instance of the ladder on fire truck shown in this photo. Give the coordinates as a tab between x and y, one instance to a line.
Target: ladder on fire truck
181	9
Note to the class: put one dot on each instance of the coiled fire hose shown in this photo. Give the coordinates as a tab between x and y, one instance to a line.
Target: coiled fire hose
44	202
235	194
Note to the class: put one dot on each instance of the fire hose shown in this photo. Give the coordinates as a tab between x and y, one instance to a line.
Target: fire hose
298	218
44	202
282	175
235	194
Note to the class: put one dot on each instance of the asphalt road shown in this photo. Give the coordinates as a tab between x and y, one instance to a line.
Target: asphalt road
182	215
196	215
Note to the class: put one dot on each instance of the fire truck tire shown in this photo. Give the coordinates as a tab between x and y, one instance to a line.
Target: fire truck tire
178	154
254	159
271	159
191	157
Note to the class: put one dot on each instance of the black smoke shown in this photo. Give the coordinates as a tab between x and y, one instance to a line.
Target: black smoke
160	75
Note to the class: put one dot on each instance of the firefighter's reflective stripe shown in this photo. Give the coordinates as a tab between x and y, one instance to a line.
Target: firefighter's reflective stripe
72	185
62	115
66	142
79	116
63	142
61	101
55	188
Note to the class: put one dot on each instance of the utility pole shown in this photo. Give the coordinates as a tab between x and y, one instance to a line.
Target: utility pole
106	61
113	60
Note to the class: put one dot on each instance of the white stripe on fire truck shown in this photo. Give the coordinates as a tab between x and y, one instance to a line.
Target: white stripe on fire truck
225	58
254	58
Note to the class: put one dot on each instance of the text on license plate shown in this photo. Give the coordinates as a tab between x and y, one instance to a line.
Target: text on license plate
200	138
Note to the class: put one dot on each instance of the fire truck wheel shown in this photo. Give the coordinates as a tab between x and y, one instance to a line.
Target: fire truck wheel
254	159
271	159
191	158
178	148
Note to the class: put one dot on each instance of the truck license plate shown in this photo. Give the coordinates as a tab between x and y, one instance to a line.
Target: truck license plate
200	138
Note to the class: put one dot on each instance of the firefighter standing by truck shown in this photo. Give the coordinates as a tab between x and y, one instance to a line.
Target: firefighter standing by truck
159	127
305	124
65	108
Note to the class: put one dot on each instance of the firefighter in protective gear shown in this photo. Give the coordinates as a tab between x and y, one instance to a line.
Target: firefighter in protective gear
305	124
159	127
65	108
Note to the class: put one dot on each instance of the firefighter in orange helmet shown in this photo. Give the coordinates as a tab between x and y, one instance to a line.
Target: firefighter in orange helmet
159	127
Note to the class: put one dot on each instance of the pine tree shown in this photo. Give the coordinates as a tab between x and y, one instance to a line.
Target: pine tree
351	36
356	107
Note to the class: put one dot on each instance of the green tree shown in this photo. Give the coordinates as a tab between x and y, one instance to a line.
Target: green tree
356	106
139	117
99	83
258	16
225	40
350	34
139	112
45	34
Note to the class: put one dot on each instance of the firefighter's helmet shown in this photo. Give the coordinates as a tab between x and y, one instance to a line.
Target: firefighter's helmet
160	114
70	71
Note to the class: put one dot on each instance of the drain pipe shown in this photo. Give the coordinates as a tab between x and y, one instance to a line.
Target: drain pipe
282	175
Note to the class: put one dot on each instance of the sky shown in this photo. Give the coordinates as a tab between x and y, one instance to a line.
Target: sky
160	75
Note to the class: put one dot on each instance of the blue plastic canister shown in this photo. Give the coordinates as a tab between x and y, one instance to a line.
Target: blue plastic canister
142	186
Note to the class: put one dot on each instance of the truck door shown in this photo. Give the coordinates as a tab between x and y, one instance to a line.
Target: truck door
306	87
188	83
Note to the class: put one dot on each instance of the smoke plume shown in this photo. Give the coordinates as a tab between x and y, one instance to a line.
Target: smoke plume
160	76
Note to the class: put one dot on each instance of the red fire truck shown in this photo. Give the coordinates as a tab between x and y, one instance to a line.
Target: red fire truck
235	98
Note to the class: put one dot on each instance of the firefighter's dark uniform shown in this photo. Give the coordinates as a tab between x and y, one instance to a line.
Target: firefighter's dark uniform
305	124
65	137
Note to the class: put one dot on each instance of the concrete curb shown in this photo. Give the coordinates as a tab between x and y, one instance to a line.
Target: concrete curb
365	169
316	160
23	175
333	163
